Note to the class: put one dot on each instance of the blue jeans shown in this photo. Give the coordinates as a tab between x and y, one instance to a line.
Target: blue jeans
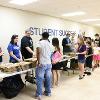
43	72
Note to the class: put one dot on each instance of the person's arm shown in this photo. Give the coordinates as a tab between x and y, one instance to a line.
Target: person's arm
38	55
2	53
10	51
84	50
21	56
87	52
63	42
76	47
68	44
25	44
82	53
29	50
11	54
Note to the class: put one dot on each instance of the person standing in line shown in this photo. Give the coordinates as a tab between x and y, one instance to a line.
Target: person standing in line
81	56
56	57
97	39
44	66
96	56
89	59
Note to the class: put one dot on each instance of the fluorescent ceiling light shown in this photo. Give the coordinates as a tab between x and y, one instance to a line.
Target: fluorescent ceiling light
22	2
90	20
74	14
97	24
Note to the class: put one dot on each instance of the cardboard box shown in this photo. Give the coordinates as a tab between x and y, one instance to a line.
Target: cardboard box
10	67
33	61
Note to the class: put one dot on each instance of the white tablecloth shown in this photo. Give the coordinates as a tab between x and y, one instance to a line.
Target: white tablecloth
4	75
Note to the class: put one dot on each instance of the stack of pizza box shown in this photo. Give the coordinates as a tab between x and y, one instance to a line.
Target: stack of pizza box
16	67
10	67
71	54
25	65
33	62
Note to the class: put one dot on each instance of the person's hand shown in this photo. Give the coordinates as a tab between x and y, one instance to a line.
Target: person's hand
34	55
38	64
53	62
78	53
2	53
19	60
67	44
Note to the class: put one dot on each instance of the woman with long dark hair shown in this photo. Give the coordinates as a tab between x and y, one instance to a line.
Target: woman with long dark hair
14	50
13	84
56	57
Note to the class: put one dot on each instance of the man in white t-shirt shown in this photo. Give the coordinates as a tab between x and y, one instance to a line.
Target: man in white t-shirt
43	70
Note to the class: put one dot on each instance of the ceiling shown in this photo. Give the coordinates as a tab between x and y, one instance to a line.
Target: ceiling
58	7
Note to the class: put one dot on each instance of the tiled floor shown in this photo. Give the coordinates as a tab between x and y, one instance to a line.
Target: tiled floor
70	88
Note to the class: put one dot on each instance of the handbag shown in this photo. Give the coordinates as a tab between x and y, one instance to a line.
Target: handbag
56	57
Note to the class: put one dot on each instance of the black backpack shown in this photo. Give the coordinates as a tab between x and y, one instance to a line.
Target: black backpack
11	86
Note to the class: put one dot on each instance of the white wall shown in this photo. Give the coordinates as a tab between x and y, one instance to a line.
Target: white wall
14	21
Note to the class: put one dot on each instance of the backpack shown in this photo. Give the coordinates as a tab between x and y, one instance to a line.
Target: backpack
11	86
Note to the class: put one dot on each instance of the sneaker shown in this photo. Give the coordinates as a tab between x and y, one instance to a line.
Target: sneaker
89	73
57	83
47	94
81	77
38	97
85	72
97	65
93	68
84	75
